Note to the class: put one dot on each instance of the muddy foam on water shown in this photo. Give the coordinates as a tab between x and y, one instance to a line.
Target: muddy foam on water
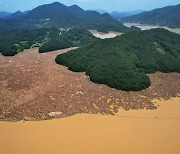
147	27
102	35
130	132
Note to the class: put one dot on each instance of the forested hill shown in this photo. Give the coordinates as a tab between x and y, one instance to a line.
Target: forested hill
14	41
124	61
167	16
61	16
71	38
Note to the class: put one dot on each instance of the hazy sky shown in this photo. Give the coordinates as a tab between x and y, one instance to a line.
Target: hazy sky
110	5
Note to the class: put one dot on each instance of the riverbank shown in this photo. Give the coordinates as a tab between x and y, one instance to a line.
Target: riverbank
34	87
102	35
147	27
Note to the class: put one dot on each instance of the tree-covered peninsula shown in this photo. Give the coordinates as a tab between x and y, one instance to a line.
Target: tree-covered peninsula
124	62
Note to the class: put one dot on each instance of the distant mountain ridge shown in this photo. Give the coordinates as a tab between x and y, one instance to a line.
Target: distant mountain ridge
4	14
119	15
166	16
54	10
101	11
61	16
17	14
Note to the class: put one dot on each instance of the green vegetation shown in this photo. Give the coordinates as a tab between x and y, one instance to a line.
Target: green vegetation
61	16
167	16
15	41
71	38
124	61
116	28
159	48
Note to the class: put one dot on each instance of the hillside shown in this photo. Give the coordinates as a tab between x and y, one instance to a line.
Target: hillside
17	14
71	38
167	16
119	15
4	14
15	41
101	11
124	61
61	16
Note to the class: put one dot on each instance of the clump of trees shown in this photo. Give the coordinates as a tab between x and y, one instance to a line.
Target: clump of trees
123	62
71	38
117	28
15	41
54	44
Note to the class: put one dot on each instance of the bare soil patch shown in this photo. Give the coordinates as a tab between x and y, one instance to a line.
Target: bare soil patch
34	87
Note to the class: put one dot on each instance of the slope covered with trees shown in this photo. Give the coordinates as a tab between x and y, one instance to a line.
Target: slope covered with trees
167	16
71	38
14	41
124	61
61	16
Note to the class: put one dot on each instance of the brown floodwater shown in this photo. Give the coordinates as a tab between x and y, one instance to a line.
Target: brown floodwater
34	87
147	27
128	132
101	35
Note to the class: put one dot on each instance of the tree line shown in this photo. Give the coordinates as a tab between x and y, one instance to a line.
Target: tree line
124	62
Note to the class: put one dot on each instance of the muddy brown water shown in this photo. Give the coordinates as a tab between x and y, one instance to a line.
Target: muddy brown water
147	27
101	35
129	132
34	87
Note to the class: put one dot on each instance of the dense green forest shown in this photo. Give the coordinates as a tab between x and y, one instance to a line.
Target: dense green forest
71	38
14	41
124	62
116	28
166	16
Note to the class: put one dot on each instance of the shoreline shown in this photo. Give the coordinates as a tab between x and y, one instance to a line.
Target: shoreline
147	27
85	133
102	35
34	87
157	102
